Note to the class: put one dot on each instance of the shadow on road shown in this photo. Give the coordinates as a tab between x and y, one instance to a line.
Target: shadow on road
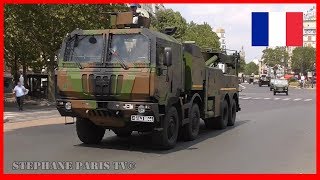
281	95
143	143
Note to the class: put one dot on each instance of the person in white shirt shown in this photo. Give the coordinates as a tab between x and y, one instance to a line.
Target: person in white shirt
302	80
19	91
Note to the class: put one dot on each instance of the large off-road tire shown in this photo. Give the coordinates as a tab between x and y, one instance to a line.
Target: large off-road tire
167	138
232	113
190	131
222	121
88	132
122	132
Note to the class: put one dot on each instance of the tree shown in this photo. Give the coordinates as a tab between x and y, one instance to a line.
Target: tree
241	65
303	59
170	18
251	68
31	30
276	56
202	34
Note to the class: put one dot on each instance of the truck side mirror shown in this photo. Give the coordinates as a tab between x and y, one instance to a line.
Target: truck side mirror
167	56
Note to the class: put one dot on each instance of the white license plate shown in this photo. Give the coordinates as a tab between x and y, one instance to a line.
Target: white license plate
142	118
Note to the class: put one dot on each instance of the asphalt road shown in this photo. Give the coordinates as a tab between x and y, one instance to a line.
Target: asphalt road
273	134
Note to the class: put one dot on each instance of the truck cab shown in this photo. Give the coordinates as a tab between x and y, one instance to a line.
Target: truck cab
130	78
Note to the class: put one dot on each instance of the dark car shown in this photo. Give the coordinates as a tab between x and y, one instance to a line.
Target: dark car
264	80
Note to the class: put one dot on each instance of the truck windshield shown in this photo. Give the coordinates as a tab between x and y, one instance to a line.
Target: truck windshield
84	48
129	48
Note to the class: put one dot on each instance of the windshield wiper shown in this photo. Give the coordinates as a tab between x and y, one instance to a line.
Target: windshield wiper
121	61
76	58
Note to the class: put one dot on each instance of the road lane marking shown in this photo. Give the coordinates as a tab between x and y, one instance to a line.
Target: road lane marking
247	98
286	99
276	98
257	98
307	99
298	99
266	98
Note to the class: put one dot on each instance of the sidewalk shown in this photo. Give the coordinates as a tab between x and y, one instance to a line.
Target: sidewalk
32	108
298	87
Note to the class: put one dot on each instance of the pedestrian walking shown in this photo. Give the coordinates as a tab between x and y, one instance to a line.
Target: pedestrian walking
19	91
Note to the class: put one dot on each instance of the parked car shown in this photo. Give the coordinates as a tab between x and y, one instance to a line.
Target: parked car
280	86
272	84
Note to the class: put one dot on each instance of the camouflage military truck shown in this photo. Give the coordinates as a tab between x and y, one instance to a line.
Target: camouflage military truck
130	78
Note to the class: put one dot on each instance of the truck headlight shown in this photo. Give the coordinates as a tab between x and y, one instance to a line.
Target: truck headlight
68	106
141	109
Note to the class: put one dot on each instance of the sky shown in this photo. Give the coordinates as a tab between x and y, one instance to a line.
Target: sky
235	19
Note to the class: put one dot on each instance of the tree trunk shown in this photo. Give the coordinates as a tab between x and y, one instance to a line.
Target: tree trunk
51	80
24	73
15	75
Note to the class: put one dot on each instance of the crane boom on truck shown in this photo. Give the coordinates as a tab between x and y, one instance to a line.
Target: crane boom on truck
136	79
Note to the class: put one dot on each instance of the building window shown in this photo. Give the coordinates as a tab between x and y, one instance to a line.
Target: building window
309	38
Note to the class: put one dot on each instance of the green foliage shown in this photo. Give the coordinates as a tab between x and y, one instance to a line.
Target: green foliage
276	56
241	65
170	18
202	34
303	59
292	79
251	68
31	30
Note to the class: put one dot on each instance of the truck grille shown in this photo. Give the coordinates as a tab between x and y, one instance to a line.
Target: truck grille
101	85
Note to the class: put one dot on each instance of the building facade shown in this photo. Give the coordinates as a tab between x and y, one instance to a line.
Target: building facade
309	28
222	38
309	32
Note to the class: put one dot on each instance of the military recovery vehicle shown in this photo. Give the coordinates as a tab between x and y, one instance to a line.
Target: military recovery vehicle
130	78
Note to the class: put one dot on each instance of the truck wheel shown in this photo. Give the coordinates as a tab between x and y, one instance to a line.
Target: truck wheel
232	114
260	85
274	93
167	138
191	130
122	132
88	132
222	121
268	85
287	93
270	89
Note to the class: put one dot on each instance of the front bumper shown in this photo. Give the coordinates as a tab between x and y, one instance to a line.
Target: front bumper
281	89
108	113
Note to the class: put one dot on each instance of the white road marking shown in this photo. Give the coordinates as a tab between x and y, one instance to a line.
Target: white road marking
257	98
307	99
247	98
286	99
298	99
276	98
266	98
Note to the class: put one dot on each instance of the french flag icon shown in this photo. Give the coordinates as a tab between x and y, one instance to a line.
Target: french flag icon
277	29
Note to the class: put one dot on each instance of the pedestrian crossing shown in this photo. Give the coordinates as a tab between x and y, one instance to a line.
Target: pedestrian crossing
27	115
276	99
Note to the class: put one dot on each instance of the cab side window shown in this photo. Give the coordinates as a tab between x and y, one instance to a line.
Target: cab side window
160	55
